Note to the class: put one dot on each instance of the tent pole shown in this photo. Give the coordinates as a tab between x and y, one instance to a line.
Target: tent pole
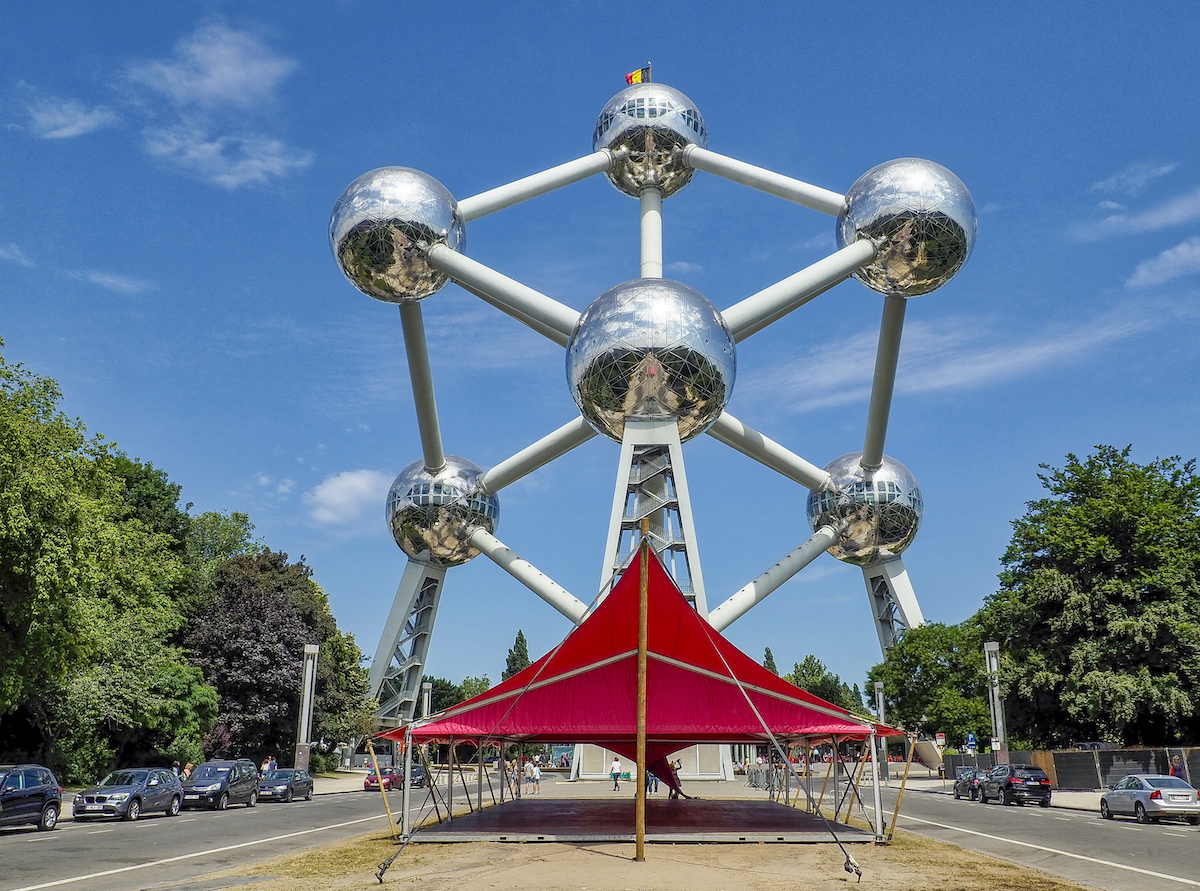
875	763
406	795
837	766
450	785
479	774
643	622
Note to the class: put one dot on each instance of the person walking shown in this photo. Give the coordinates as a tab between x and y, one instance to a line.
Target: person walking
537	778
615	771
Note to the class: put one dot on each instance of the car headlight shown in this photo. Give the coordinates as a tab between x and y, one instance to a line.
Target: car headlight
118	796
279	788
213	788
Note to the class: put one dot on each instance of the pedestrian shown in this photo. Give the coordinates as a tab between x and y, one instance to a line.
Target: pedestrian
187	770
175	768
651	783
272	763
265	766
615	772
537	778
1177	768
528	775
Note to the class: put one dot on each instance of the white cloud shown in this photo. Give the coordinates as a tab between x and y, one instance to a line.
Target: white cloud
1134	178
10	253
227	161
341	499
1174	212
110	281
1181	260
52	118
217	66
682	267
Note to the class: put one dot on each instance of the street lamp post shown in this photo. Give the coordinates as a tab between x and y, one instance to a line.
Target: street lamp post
883	769
991	655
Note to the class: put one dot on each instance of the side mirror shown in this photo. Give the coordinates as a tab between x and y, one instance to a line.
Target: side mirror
154	782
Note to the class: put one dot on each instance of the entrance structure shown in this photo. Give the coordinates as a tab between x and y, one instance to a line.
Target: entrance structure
651	363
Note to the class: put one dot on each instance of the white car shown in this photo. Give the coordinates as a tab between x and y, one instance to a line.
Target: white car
1151	796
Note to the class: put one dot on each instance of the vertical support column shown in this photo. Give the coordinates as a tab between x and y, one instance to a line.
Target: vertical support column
991	655
893	601
643	617
406	795
651	220
879	834
308	689
399	664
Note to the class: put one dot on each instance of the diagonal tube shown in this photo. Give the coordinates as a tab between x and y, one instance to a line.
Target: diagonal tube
766	451
759	310
529	459
755	592
528	575
531	186
764	180
555	320
886	358
413	325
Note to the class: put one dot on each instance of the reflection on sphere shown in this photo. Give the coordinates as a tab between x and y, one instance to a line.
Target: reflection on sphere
878	512
647	123
921	217
651	348
431	515
382	226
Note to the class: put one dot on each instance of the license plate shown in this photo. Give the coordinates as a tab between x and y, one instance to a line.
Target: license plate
191	796
1179	797
94	807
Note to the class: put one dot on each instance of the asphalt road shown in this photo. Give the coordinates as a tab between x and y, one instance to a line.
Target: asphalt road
1116	855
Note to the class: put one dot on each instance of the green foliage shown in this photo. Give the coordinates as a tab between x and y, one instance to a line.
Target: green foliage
518	657
1098	614
342	712
934	681
813	676
769	662
474	686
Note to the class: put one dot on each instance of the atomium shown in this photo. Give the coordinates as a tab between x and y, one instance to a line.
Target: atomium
432	514
922	219
651	348
877	512
644	125
383	225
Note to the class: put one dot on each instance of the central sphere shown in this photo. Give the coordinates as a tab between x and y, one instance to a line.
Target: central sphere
383	225
651	348
431	514
922	219
645	123
877	511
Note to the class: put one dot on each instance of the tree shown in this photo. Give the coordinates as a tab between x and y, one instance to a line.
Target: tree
769	662
518	657
1098	612
934	681
152	498
342	712
813	676
473	686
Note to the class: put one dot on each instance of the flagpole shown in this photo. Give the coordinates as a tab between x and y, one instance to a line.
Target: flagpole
643	622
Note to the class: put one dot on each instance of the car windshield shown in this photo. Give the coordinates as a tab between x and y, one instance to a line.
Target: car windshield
1166	783
209	772
124	778
280	775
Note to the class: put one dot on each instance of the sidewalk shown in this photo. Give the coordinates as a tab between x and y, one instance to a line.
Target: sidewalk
1074	800
339	781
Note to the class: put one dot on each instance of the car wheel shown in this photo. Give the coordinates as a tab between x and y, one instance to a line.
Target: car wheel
1045	802
174	807
287	796
1008	799
134	811
308	794
1104	811
223	801
49	817
1140	813
957	796
1194	820
253	799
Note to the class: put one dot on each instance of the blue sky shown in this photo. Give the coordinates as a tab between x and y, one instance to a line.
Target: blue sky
167	176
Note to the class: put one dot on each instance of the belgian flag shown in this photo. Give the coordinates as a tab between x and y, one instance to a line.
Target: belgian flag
642	75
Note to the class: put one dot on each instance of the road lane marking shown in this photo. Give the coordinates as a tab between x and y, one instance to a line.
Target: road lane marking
261	841
99	831
1013	841
1064	819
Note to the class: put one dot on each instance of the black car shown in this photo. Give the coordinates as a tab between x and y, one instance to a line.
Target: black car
218	784
29	793
130	792
966	783
416	776
284	785
1015	783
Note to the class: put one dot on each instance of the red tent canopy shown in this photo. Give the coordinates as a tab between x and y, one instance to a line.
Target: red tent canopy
700	687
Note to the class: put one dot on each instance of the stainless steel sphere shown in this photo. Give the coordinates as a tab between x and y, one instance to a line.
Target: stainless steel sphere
645	123
431	515
651	348
383	224
878	512
921	217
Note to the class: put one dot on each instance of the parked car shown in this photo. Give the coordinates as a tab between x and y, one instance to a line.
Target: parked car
1015	783
388	776
1150	797
416	776
966	783
285	785
129	793
218	784
29	793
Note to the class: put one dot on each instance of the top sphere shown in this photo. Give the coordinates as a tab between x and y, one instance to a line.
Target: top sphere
877	512
648	122
651	348
922	219
382	226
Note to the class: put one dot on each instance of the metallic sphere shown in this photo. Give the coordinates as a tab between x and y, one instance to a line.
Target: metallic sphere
878	512
921	217
651	348
644	124
431	514
383	224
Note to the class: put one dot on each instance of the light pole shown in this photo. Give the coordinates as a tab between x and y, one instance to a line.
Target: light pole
882	742
308	688
991	656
